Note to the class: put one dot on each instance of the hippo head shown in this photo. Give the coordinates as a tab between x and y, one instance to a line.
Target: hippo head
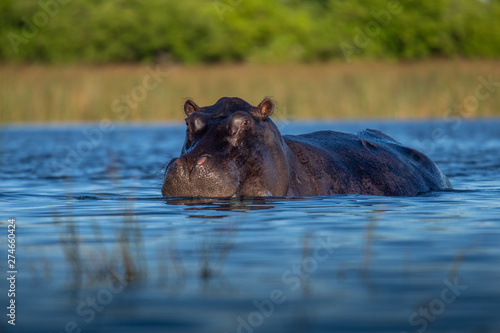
231	149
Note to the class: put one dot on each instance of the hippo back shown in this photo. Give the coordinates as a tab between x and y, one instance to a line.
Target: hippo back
368	162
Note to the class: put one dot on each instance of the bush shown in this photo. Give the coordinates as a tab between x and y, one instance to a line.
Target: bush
198	31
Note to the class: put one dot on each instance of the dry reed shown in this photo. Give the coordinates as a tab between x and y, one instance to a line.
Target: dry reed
34	93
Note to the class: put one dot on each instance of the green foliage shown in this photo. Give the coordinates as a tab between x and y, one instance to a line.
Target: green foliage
201	31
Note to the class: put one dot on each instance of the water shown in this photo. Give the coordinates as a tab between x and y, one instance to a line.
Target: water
99	250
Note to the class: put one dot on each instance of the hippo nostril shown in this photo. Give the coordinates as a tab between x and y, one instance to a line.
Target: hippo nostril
201	160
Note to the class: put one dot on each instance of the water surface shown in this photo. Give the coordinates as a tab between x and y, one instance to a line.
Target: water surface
99	250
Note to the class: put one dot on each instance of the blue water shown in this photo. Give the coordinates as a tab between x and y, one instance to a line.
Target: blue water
99	250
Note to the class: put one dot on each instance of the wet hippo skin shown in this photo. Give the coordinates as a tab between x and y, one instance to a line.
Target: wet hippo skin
234	149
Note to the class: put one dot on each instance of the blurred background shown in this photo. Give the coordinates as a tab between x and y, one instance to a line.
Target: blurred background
86	60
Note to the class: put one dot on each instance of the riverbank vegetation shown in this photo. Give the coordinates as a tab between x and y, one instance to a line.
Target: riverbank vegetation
85	60
141	92
262	31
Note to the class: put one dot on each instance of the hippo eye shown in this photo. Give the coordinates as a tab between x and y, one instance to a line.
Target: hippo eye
194	124
239	121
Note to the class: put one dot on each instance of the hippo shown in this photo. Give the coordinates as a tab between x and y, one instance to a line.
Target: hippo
233	149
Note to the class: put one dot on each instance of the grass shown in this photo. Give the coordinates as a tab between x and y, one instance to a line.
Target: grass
430	89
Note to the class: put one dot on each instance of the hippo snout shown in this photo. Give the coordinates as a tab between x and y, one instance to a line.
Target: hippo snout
201	176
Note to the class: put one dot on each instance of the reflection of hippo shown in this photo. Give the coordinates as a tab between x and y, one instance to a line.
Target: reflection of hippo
234	149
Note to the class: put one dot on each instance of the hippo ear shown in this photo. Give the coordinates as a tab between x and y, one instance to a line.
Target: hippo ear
265	108
190	107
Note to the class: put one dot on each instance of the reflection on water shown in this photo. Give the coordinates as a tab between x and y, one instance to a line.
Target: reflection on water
101	251
224	204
